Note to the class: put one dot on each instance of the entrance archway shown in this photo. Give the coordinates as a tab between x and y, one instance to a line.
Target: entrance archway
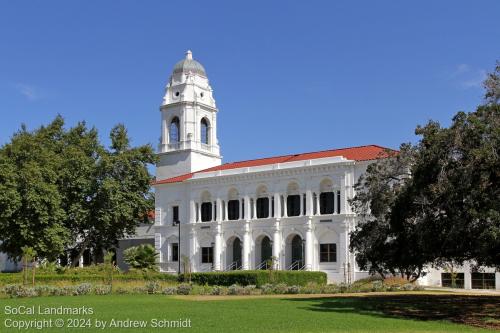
233	256
294	252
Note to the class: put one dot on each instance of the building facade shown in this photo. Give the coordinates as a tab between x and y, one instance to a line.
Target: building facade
291	212
288	211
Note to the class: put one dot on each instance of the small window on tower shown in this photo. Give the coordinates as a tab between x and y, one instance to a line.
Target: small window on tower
177	94
201	95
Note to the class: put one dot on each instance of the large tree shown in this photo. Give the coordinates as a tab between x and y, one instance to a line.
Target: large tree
63	189
438	201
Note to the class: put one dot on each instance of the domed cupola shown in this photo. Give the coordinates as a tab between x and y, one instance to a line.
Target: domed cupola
188	122
189	65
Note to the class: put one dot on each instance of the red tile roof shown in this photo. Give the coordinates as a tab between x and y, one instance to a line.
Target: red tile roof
362	153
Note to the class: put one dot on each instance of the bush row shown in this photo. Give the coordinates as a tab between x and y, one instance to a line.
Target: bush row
154	287
257	278
9	278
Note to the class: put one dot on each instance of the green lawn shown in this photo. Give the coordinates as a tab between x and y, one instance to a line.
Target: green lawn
391	313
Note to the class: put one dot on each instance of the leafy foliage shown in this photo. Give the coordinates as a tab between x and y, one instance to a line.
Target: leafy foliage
62	187
435	202
143	256
258	278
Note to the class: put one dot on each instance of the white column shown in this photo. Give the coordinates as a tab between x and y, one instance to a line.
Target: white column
342	194
277	205
218	215
497	280
247	207
80	261
309	246
277	244
246	245
467	276
218	247
192	211
343	250
309	203
192	249
285	211
301	204
254	209
225	210
270	209
317	204
199	212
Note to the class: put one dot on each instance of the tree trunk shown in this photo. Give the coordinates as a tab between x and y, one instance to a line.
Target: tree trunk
33	272
80	252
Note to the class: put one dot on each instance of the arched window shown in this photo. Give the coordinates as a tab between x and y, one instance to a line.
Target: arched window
174	133
293	200
204	131
233	205
326	197
262	203
206	207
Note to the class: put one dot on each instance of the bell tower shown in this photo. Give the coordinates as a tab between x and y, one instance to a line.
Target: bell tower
188	122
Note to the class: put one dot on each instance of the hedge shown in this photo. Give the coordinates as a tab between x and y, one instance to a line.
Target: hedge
258	278
9	278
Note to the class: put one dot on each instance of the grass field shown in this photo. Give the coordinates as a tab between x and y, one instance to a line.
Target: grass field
370	313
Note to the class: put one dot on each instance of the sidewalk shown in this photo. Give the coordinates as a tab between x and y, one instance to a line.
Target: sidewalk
465	291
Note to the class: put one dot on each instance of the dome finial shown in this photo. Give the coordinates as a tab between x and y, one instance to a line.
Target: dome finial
189	55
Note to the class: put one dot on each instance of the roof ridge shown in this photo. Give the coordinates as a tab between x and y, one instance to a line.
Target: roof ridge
286	158
297	154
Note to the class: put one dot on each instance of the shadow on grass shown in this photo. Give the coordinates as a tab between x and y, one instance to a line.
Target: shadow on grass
479	311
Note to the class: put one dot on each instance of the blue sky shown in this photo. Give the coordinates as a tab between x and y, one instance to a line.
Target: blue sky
287	76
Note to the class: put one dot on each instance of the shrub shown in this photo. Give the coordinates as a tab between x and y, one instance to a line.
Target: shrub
267	289
407	286
280	288
377	285
143	256
121	291
153	287
169	291
184	289
395	281
218	290
312	288
83	289
139	290
235	290
293	290
19	291
250	289
101	289
331	289
258	278
88	274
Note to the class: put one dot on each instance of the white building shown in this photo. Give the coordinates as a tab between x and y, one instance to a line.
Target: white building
238	215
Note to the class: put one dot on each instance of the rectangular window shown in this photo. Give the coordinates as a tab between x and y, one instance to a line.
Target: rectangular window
175	251
483	280
447	281
328	252
175	214
206	255
326	200
293	205
233	210
206	212
262	208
